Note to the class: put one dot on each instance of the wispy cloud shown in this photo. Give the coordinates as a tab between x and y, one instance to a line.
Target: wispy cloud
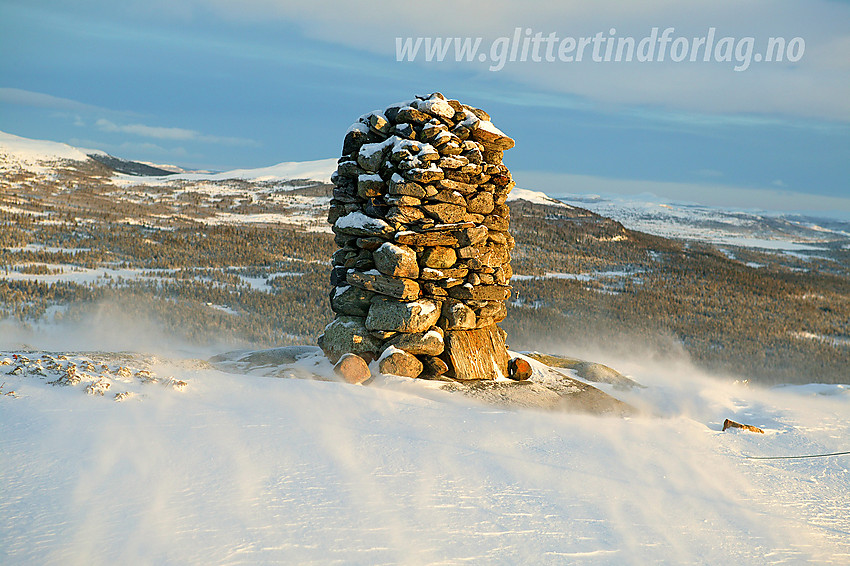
818	86
21	97
76	111
166	133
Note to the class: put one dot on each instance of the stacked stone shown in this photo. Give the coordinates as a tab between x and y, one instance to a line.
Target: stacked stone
422	271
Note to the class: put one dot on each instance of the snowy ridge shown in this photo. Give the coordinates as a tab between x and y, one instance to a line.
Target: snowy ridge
724	226
534	197
28	152
318	170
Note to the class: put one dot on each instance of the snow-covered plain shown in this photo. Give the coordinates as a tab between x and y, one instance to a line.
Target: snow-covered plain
764	230
239	469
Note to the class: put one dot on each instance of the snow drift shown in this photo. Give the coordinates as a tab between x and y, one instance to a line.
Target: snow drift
248	469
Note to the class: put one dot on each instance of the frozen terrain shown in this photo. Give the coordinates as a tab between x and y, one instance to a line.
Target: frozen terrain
771	231
32	154
199	466
318	170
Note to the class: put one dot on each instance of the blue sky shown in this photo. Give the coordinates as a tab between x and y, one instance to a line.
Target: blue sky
219	85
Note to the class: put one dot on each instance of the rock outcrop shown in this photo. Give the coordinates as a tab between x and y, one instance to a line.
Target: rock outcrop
422	272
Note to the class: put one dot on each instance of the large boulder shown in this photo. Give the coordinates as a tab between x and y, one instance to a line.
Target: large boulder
457	316
433	368
398	362
351	300
353	369
396	260
428	343
373	280
411	317
477	354
347	334
358	224
439	257
491	137
519	369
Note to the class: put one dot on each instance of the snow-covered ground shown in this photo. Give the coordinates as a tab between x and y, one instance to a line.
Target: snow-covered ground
772	231
311	219
82	275
318	170
31	155
244	469
535	197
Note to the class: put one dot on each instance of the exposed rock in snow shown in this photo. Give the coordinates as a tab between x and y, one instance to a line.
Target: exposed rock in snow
353	369
590	371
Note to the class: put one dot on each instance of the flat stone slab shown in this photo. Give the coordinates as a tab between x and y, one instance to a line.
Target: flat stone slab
591	371
284	355
571	396
477	354
548	389
400	288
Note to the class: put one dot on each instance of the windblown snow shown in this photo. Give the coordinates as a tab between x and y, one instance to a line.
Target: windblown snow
241	468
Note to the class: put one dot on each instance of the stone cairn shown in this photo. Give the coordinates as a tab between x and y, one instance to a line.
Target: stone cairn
423	268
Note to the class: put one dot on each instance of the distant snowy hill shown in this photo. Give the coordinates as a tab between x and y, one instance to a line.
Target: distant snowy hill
318	170
32	155
129	167
26	153
35	155
789	232
535	197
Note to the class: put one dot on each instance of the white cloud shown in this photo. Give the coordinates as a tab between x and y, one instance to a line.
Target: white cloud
23	97
74	110
818	86
147	131
165	133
